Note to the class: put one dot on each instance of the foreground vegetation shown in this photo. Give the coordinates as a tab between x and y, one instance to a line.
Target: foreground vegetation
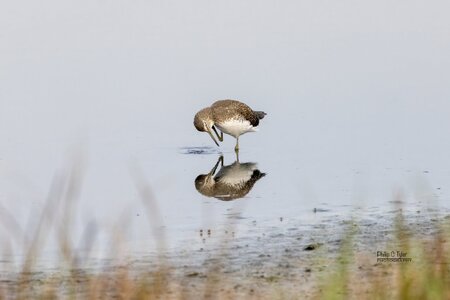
351	272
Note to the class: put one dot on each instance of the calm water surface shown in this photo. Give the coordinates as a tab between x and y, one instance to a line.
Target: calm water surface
356	96
279	184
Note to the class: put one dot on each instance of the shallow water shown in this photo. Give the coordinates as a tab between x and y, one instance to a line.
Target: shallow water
357	117
299	186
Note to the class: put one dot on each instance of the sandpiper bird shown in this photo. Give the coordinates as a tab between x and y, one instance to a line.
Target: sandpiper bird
230	116
230	182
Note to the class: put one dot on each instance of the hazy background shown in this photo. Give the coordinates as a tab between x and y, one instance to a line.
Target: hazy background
357	96
106	68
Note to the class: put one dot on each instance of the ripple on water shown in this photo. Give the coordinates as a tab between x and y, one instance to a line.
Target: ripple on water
199	150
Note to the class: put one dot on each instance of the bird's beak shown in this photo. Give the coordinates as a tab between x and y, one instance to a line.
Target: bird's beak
211	135
215	167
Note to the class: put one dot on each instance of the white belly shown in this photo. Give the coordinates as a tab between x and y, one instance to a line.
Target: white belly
236	174
236	127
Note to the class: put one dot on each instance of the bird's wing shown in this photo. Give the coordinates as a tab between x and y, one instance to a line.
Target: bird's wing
234	107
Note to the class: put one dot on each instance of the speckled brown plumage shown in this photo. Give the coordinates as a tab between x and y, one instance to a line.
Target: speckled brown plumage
223	110
228	116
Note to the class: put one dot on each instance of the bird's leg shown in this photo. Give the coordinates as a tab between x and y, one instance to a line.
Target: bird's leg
236	149
220	137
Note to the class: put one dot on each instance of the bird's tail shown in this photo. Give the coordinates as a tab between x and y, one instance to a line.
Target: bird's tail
257	174
260	114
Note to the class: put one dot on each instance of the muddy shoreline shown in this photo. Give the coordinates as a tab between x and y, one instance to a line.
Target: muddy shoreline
290	261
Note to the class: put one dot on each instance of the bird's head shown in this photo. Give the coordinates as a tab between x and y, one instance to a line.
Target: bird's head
203	121
205	184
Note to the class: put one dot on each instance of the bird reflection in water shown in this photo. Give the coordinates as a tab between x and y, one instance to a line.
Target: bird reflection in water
230	182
